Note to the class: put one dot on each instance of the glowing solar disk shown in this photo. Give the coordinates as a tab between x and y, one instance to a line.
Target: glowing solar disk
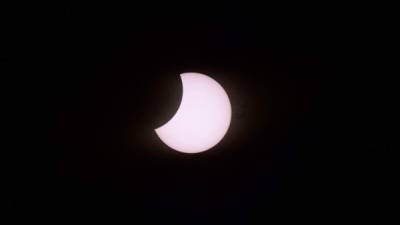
202	119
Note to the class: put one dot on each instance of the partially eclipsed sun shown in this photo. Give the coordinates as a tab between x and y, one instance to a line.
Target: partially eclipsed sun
203	117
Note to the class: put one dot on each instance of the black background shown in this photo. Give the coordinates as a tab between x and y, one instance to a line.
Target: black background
310	130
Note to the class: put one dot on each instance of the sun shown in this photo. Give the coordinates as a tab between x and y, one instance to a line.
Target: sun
203	117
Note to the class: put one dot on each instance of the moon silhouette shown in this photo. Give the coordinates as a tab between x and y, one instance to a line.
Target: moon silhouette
202	119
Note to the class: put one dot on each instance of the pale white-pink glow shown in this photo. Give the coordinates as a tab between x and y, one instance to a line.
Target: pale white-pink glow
202	119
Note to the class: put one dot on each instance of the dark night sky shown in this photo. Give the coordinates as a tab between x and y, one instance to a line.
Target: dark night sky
308	137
